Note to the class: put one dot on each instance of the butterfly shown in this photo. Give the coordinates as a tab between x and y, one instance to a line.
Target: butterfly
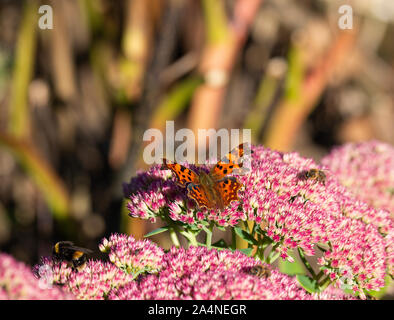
213	190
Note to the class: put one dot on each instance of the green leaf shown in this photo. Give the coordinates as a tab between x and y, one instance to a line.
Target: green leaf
221	228
307	283
291	268
245	236
157	231
246	251
220	244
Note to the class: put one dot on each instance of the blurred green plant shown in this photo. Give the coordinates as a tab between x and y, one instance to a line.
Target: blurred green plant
176	101
19	123
41	173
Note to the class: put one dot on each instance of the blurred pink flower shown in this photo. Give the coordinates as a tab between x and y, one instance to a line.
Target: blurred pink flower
367	170
95	281
17	282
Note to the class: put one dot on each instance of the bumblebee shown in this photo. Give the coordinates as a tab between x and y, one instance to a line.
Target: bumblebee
315	174
259	271
76	257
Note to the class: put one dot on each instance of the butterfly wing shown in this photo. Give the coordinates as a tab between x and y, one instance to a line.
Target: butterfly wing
183	174
198	194
230	163
228	189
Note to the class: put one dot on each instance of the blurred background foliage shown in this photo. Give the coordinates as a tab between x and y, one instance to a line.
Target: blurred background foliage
75	100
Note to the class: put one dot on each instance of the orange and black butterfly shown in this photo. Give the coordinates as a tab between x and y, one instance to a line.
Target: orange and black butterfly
213	190
73	255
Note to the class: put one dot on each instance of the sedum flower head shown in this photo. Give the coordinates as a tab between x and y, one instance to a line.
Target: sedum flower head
367	170
133	256
294	213
193	273
199	273
95	281
302	213
155	193
17	282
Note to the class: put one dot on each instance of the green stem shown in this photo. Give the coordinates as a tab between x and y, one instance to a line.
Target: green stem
18	124
325	283
174	228
273	255
276	245
189	236
174	237
215	21
265	242
295	74
306	263
319	275
233	239
260	254
208	241
254	228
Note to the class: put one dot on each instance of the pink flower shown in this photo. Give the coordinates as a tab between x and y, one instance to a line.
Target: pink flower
199	273
366	169
332	293
95	281
17	282
193	273
297	212
131	255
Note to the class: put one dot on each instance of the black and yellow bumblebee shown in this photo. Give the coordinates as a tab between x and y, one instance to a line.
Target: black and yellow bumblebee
76	257
259	271
315	174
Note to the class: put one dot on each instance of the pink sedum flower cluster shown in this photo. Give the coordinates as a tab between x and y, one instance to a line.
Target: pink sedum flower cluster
131	255
301	212
194	273
94	282
367	170
294	212
17	282
199	273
